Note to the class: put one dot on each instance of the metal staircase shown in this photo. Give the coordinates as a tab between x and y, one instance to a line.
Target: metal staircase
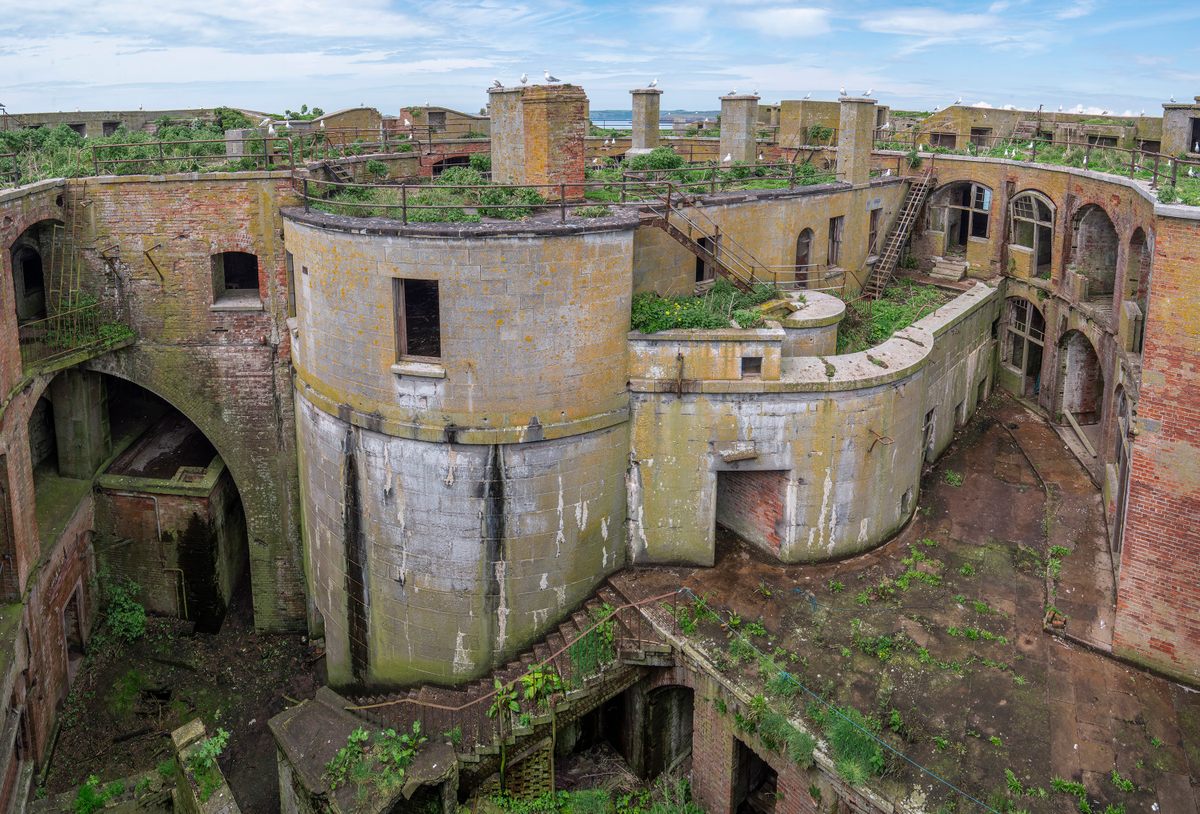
885	266
1024	129
676	214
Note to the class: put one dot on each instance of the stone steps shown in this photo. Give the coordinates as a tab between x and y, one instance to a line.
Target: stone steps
948	269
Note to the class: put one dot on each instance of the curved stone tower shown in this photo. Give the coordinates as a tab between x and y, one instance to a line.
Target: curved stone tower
462	416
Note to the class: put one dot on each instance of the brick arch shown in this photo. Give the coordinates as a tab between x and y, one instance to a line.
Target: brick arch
250	447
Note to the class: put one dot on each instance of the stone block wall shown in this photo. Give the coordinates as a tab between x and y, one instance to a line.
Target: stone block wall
848	431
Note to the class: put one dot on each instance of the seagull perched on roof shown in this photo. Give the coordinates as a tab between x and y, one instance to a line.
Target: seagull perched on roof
287	123
322	124
868	91
653	83
524	77
1172	100
958	101
550	78
842	91
407	123
496	83
732	92
1103	112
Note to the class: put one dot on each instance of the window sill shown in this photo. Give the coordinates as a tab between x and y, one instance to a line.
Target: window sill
293	325
240	304
424	370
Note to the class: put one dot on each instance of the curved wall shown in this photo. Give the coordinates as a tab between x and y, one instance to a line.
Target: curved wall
455	511
843	437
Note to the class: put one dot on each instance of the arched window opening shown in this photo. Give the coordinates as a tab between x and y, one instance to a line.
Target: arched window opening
1033	229
804	270
1094	250
1137	289
1025	336
1081	381
961	211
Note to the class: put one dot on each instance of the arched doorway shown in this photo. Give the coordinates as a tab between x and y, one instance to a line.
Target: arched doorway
1080	380
1094	245
168	513
804	258
1021	351
1138	263
34	257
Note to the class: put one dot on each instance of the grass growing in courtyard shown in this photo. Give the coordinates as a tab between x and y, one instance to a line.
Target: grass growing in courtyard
718	308
870	322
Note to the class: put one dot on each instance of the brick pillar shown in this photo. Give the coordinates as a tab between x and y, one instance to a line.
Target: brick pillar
712	751
555	123
80	422
507	135
856	134
739	125
645	120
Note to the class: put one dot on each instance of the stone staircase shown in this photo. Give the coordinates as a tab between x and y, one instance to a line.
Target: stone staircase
463	709
338	173
889	258
949	269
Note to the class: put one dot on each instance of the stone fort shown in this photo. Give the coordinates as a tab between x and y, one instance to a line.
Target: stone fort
435	445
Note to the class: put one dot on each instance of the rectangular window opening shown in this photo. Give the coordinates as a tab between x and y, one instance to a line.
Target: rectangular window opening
835	239
751	367
418	319
873	235
235	277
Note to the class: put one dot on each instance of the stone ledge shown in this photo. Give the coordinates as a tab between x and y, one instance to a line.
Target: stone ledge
425	370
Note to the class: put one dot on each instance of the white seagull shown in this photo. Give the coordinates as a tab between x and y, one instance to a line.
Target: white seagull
958	101
728	157
887	172
842	91
653	83
524	78
1191	173
1172	100
808	95
496	83
265	122
322	124
270	129
407	123
868	92
550	78
1060	108
732	92
287	123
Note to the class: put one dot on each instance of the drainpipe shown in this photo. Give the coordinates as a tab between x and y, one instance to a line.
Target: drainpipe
162	554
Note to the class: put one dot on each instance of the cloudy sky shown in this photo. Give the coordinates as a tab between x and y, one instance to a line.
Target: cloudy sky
271	54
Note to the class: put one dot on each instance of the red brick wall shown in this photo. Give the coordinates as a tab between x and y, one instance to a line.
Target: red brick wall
1158	592
751	504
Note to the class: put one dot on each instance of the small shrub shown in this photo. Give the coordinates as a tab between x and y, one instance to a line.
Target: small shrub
660	158
836	586
480	162
953	478
203	762
592	211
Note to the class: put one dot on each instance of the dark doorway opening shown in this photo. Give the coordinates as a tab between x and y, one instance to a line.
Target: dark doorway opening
753	506
704	270
667	733
754	783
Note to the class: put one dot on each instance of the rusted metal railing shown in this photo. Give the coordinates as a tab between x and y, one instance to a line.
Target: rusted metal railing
67	332
264	152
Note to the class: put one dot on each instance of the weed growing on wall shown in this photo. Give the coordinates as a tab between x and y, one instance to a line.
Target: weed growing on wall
92	797
380	762
202	763
719	307
870	322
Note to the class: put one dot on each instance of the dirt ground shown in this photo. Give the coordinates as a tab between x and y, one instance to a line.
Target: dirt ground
938	635
127	698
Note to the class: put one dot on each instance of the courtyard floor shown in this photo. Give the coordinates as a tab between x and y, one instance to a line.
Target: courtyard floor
939	637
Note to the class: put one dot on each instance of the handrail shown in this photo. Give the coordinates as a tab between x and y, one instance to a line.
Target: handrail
269	144
542	663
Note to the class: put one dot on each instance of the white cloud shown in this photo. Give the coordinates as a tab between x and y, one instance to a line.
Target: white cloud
924	22
1080	8
786	22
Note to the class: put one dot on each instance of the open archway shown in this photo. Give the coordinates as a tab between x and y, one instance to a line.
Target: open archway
1080	380
1032	228
960	211
804	243
35	257
1138	263
167	513
1094	245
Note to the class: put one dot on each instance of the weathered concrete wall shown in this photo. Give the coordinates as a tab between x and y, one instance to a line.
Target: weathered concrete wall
645	132
435	562
848	430
1177	123
479	493
739	128
705	354
1000	124
856	127
507	135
